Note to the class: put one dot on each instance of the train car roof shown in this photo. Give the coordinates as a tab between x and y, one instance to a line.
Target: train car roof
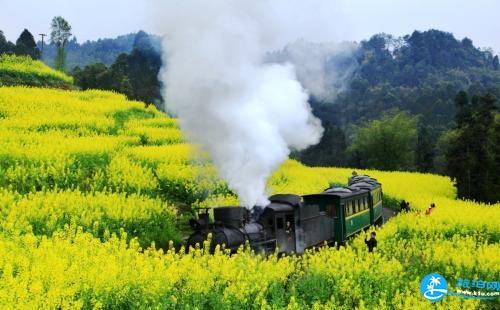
290	199
362	178
340	192
365	185
279	207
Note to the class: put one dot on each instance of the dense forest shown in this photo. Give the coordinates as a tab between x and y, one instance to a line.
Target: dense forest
134	74
419	73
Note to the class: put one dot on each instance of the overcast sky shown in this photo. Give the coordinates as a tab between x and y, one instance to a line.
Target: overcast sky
93	19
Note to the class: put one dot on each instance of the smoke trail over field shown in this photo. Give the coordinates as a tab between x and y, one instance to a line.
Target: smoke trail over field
245	112
324	69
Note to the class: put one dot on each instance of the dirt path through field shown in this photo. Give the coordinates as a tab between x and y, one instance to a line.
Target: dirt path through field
388	213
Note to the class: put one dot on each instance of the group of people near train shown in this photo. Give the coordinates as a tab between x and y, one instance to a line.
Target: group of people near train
404	206
371	243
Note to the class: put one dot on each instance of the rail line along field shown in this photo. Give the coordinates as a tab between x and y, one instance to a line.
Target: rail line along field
92	189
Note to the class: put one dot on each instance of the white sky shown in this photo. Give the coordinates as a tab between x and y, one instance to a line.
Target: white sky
360	19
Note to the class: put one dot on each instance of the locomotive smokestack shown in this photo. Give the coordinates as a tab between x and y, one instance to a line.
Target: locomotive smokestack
256	212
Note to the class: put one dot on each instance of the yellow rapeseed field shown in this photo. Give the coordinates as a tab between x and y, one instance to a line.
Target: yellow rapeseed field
15	70
91	188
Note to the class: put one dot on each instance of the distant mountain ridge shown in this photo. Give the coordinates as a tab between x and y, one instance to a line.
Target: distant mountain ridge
100	51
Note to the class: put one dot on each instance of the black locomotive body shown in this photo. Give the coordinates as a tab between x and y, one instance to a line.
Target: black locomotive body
292	223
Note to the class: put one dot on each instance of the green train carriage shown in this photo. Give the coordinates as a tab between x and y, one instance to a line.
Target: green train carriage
353	208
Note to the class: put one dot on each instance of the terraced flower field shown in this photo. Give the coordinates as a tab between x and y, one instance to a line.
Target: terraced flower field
23	70
92	187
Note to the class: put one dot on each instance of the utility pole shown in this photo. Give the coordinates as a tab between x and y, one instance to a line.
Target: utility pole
42	35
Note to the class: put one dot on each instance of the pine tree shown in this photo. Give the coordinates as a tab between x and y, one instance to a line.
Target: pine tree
26	45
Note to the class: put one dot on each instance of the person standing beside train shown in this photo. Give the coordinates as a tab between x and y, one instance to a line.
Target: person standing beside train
372	243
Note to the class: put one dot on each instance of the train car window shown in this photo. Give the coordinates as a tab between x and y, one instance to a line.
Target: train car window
279	223
289	218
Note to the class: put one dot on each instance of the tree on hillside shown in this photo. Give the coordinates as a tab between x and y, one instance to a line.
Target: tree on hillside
495	63
5	46
120	80
330	151
91	77
387	143
135	75
98	76
60	33
144	64
424	152
472	158
26	45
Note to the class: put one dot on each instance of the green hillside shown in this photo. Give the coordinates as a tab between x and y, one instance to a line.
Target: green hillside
23	70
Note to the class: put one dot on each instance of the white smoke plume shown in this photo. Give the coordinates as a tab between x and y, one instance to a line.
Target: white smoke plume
324	69
247	113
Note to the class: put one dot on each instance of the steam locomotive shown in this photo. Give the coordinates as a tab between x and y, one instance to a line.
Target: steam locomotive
292	223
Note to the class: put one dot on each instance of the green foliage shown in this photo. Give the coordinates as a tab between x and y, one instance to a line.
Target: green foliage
388	143
330	151
424	152
60	31
59	35
25	45
472	153
135	75
418	73
442	146
6	47
100	51
60	60
23	70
